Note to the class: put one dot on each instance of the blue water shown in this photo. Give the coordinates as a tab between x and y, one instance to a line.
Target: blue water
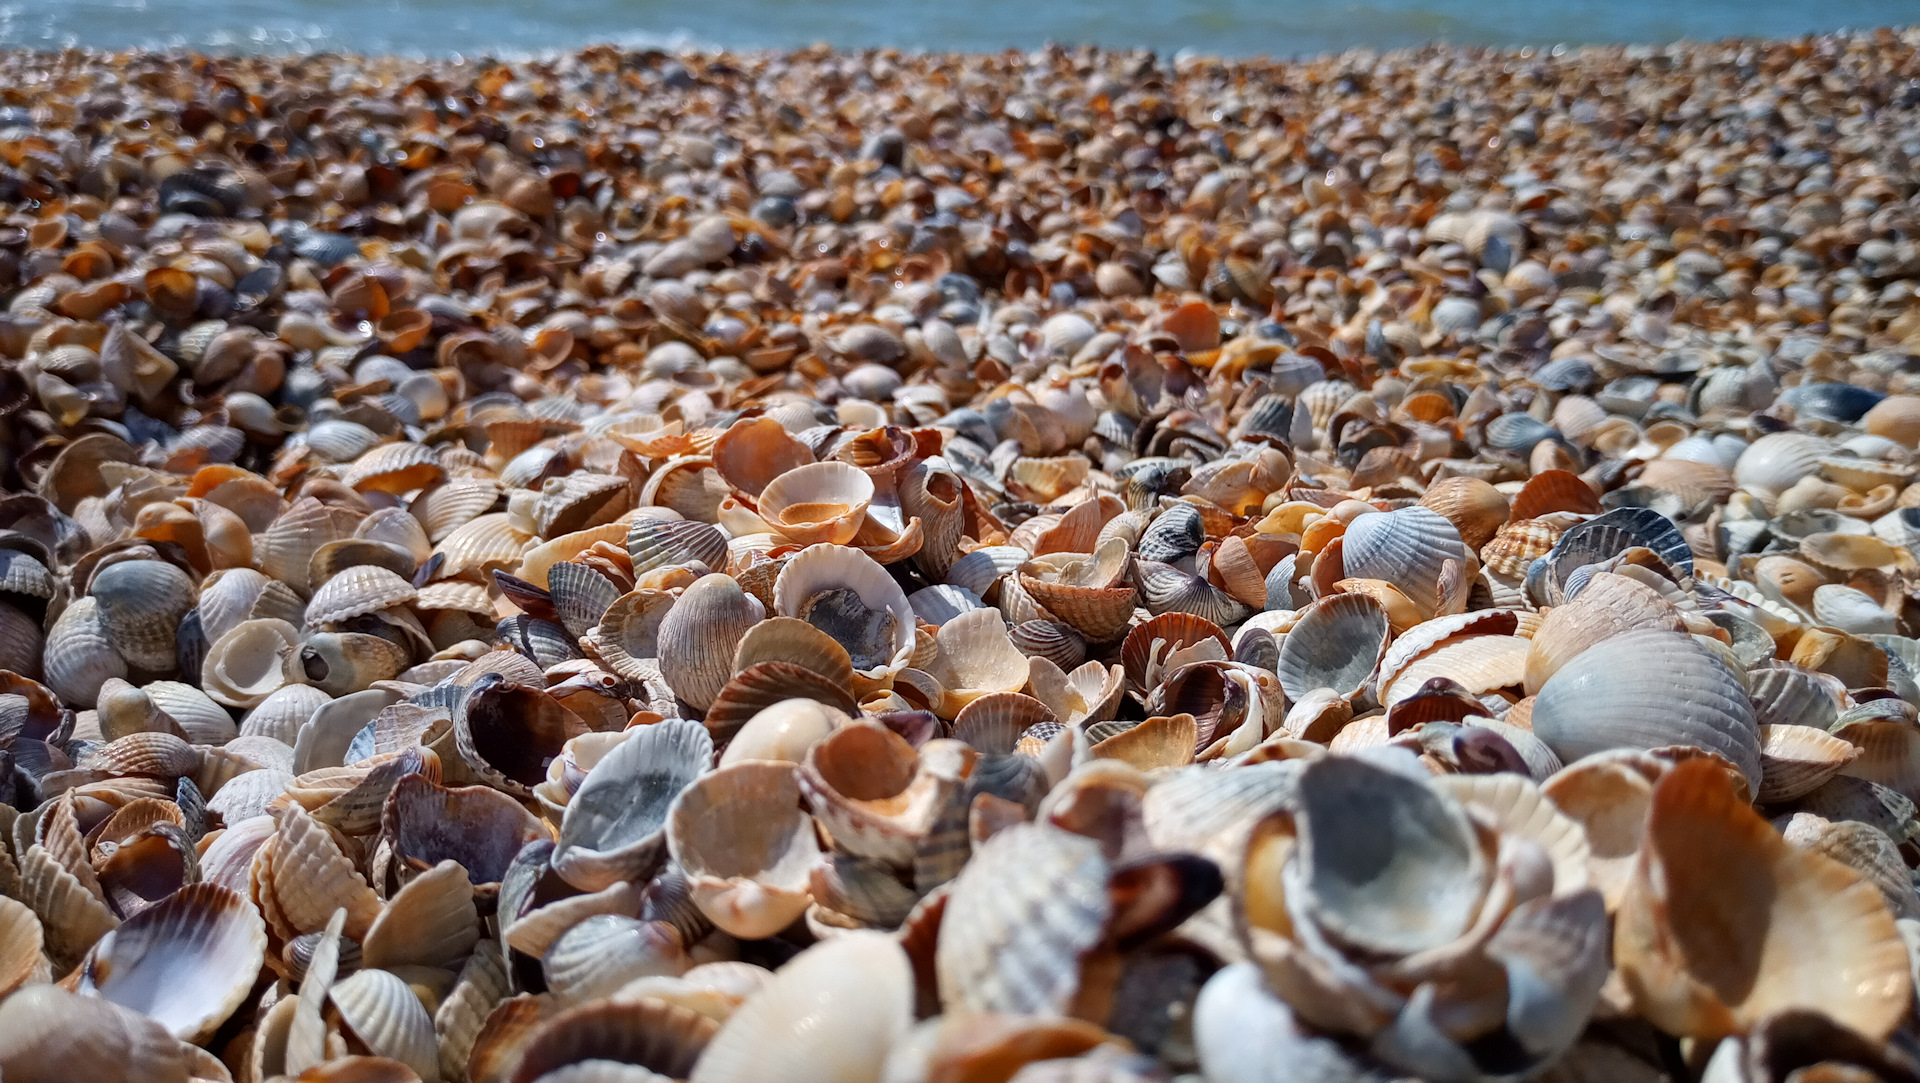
1224	27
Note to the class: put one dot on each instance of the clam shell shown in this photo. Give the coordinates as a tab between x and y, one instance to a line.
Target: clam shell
873	794
1648	689
1607	606
388	1019
1020	917
699	635
783	732
307	878
1475	508
79	656
845	594
644	1034
832	1013
431	921
355	592
284	551
663	543
747	868
1819	937
482	545
1335	644
823	502
606	952
1796	760
186	962
765	684
1774	462
1405	548
1384	863
245	666
48	1034
614	822
627	640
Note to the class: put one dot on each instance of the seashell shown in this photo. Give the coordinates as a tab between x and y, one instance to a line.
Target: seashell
482	545
1821	936
1405	548
1850	610
48	1034
337	663
355	592
845	594
507	732
874	795
1166	589
1335	644
975	658
1048	479
627	640
186	962
832	1013
1021	915
284	550
79	655
388	1019
480	828
1774	462
1550	491
614	822
304	877
699	635
1607	606
394	468
748	869
1517	545
72	916
607	952
1796	760
639	1035
431	921
1648	689
662	543
1475	508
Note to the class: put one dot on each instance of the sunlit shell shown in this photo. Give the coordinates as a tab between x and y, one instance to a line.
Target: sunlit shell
356	592
1335	644
699	635
830	1014
745	846
187	962
845	594
1819	936
1405	548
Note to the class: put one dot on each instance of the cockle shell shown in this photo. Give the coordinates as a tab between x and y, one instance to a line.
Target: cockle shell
614	821
1648	689
845	594
1818	936
1405	548
187	961
699	634
830	1015
1335	644
745	845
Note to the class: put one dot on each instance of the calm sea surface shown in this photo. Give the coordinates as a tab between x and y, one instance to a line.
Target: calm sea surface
1229	27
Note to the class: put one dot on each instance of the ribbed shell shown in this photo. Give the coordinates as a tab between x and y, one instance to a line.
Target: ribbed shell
831	1014
383	1013
662	543
699	635
1335	644
141	604
1406	548
1648	689
1774	462
1021	915
187	961
79	656
355	592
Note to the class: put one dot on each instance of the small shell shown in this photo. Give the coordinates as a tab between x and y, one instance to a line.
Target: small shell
614	823
356	592
1405	548
606	952
1021	914
1475	508
284	551
1796	760
665	543
873	794
819	502
1774	462
79	655
846	594
830	1014
394	468
431	921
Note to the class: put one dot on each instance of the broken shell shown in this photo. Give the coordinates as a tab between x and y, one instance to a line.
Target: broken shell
747	867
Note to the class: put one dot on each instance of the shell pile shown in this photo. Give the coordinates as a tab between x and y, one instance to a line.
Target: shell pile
1062	568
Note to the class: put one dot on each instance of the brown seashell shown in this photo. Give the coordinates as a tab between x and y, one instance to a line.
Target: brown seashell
1554	490
1475	508
1820	937
699	635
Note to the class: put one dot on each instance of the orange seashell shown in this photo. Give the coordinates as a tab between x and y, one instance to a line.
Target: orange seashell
1551	491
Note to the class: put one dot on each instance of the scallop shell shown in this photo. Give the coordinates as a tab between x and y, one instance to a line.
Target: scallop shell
1648	689
307	878
606	952
1020	917
444	508
1335	644
1819	937
1774	462
662	543
699	635
284	551
484	544
1788	695
1475	508
1405	548
79	655
394	468
431	921
187	961
49	1034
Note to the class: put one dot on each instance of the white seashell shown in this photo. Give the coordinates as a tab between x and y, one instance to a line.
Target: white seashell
187	961
384	1014
848	595
830	1015
1773	463
1406	548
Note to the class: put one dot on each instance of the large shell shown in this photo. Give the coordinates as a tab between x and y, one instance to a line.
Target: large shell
79	655
818	502
1020	917
1406	548
48	1035
614	823
141	604
1774	462
746	846
1335	644
874	794
388	1019
846	594
187	961
355	592
832	1014
1725	923
1648	689
1608	605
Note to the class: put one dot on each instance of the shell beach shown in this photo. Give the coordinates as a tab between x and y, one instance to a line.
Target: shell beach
1055	567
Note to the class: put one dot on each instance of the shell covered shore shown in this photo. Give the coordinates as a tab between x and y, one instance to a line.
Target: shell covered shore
1067	567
